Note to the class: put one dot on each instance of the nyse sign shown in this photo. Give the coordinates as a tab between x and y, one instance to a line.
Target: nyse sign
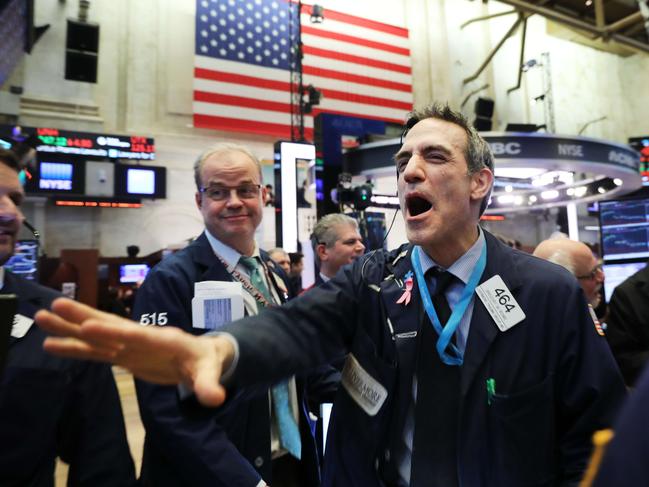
549	147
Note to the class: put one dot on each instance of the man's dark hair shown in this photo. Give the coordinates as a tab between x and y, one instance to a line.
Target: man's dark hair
8	158
477	152
295	257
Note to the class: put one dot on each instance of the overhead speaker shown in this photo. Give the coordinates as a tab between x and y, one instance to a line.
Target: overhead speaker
482	124
484	107
81	51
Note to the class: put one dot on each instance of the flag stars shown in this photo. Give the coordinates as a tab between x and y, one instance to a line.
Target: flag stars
203	48
275	62
223	52
204	18
204	33
240	26
214	43
213	27
241	55
213	13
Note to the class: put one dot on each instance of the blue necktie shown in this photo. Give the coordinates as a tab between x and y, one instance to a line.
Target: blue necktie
289	433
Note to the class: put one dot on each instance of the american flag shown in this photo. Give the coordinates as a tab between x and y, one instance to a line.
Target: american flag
242	66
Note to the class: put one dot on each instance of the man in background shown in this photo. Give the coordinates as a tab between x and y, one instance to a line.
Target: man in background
579	260
281	258
51	407
243	446
336	242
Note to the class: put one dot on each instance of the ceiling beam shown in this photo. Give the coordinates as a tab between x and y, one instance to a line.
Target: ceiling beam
600	18
608	32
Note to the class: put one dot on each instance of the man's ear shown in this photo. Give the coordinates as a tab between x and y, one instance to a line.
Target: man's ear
481	182
321	249
199	199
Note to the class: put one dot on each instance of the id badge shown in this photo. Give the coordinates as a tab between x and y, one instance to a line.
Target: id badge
216	303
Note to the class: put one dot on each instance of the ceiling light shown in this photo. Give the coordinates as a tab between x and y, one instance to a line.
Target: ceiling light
551	194
601	190
617	181
580	191
509	188
532	199
506	198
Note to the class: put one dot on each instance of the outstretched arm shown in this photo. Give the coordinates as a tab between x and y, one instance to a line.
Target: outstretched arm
164	355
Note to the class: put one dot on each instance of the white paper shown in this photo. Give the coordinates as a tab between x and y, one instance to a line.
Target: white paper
216	303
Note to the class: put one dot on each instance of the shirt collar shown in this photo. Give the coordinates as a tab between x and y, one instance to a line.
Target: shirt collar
323	277
227	253
463	266
2	277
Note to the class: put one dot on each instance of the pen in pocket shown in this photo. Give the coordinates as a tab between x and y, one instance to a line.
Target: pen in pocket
491	389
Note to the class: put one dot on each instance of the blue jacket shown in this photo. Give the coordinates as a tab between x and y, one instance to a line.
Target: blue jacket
189	445
556	381
51	406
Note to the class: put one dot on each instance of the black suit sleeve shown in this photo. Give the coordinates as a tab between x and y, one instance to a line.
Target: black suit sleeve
92	435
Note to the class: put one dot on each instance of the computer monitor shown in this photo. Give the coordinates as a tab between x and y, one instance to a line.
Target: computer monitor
624	229
616	273
132	273
140	181
24	262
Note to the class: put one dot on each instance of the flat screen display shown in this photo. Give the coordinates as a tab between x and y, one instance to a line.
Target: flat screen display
55	176
24	262
140	181
624	229
616	274
131	273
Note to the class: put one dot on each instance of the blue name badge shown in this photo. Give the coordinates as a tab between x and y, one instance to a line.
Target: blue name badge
216	303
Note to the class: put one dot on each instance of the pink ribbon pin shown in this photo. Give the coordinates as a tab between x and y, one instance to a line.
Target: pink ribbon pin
407	294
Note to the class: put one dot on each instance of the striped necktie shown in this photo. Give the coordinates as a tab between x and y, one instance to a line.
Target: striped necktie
289	433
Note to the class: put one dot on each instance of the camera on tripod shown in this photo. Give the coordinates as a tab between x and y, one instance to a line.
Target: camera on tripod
358	197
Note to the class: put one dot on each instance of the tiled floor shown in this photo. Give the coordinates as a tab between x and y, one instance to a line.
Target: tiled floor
134	428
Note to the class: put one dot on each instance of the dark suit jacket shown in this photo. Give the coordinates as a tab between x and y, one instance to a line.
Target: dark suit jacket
189	445
628	325
556	381
625	461
51	406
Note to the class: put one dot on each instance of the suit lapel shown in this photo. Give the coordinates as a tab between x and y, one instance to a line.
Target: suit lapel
483	330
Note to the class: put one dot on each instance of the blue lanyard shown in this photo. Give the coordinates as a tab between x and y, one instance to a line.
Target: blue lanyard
446	333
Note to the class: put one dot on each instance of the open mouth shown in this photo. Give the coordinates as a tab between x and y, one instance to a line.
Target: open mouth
417	205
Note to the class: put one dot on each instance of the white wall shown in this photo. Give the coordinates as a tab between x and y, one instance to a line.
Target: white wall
144	88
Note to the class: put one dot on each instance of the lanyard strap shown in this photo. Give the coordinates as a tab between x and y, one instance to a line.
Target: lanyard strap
245	282
446	332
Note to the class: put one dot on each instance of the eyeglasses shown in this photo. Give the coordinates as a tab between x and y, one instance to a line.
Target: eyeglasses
593	273
222	193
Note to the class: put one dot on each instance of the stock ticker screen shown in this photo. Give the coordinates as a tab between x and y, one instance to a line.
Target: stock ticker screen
624	229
